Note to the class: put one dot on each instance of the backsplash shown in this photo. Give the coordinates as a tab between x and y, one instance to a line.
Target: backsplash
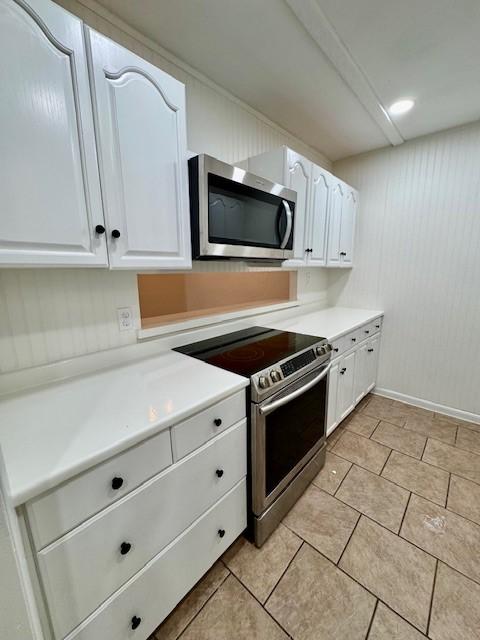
53	314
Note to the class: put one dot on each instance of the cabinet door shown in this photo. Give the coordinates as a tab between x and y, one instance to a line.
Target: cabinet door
362	371
345	401
318	211
140	117
372	353
347	227
334	223
299	177
332	398
49	181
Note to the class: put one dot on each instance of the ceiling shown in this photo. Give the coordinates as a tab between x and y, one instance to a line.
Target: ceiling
327	70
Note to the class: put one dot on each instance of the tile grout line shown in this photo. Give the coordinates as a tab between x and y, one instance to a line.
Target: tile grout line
201	608
348	541
431	597
385	464
372	618
345	573
448	489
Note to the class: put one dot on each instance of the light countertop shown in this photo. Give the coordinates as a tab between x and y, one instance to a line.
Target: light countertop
328	323
49	434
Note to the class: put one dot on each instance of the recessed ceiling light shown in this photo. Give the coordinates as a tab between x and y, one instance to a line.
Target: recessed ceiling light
401	106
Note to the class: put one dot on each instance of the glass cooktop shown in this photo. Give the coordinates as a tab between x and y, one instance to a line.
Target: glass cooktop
249	351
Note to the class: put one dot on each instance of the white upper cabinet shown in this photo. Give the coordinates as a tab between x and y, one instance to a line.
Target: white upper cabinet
324	213
318	216
343	209
49	183
299	175
141	127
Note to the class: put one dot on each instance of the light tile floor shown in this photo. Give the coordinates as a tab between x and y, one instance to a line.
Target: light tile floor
384	544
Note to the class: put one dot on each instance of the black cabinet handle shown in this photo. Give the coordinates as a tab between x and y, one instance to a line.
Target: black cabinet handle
354	339
221	532
125	548
370	350
367	331
336	349
219	472
117	483
377	326
100	229
343	253
217	422
136	622
116	234
342	371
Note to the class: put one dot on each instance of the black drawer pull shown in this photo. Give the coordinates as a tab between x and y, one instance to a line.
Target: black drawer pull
221	532
125	548
343	253
377	326
370	350
342	371
367	331
136	622
217	422
219	472
117	483
336	349
354	339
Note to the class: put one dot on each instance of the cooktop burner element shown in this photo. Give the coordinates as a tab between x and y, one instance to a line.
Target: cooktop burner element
267	356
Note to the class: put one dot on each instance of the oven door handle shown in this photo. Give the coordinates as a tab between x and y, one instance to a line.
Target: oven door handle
276	404
288	230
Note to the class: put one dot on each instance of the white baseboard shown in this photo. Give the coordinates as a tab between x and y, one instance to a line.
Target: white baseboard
426	404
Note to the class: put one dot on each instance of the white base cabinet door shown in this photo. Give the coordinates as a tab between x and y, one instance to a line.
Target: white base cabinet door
141	128
332	420
345	398
51	200
352	375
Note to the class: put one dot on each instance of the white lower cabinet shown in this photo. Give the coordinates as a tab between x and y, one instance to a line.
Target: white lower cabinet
140	605
354	371
345	398
122	563
123	538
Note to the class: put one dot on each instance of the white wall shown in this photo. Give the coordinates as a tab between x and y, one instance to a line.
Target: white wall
418	257
50	314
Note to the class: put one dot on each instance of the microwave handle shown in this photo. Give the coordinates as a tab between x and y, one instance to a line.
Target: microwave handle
291	396
288	230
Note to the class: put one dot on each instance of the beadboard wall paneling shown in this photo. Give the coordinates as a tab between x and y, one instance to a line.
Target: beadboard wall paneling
54	314
418	258
49	315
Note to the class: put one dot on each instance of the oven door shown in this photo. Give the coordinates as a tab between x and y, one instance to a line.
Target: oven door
287	430
243	215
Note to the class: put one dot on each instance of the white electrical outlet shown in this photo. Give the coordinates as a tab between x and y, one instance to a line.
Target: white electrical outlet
125	318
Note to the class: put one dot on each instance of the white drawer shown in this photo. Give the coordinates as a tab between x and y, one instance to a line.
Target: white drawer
156	589
338	347
195	431
377	325
86	566
60	510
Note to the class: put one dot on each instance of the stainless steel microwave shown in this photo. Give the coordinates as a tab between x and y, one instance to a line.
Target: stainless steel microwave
236	214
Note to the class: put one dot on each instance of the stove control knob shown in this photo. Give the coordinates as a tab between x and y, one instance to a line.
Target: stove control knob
320	350
275	375
328	348
263	382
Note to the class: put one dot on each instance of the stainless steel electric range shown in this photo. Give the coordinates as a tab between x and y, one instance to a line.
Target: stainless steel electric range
288	375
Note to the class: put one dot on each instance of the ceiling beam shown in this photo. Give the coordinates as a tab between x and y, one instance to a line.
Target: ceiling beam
327	39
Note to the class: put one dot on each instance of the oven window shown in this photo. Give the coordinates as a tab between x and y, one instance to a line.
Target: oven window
291	431
241	215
